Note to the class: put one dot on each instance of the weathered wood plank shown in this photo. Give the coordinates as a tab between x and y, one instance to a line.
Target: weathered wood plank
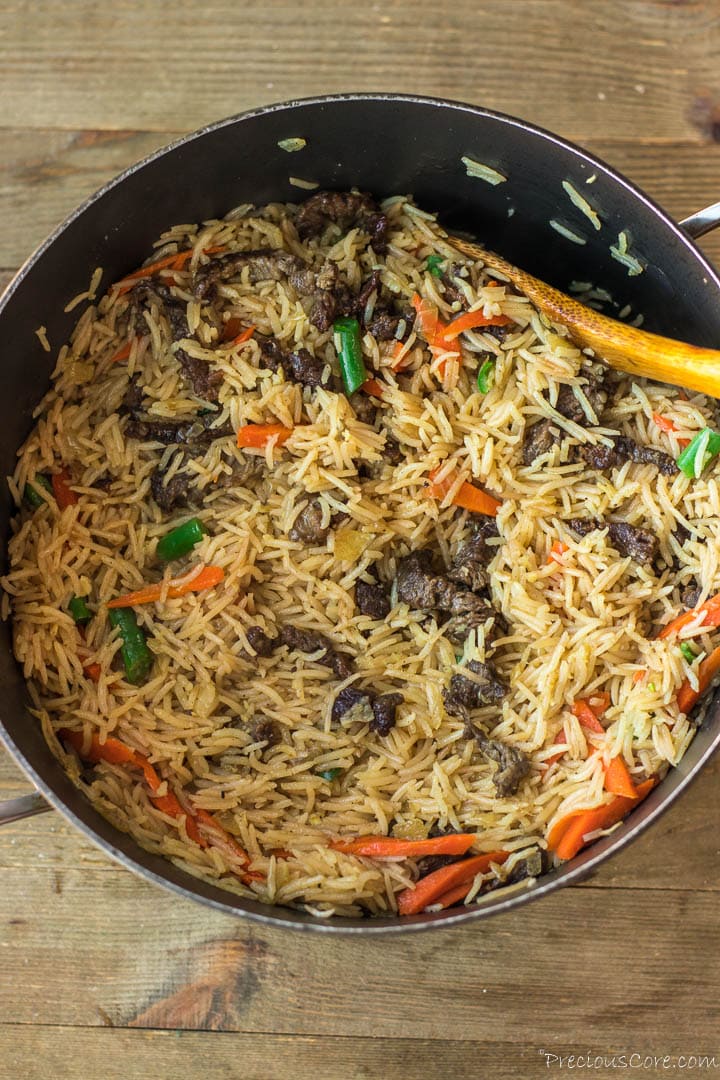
45	174
88	950
35	1053
583	69
685	839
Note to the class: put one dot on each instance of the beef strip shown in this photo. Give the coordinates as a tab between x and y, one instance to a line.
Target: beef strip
452	293
352	704
690	595
196	432
262	644
640	544
263	264
457	628
202	378
176	492
346	209
464	694
624	449
594	390
263	729
513	764
310	641
540	438
372	600
392	451
420	587
308	526
300	367
533	865
384	708
132	398
364	407
472	557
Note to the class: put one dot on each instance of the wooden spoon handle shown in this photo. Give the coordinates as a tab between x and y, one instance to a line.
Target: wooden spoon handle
624	347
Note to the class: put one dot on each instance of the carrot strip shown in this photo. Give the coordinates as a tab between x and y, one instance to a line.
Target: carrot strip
468	496
567	836
707	670
434	330
207	578
710	609
259	435
379	847
664	422
243	337
438	884
93	671
373	387
557	551
122	354
581	709
64	495
453	896
618	780
116	752
177	261
639	675
561	737
472	320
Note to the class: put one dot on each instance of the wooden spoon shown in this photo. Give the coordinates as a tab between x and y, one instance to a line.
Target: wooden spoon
625	347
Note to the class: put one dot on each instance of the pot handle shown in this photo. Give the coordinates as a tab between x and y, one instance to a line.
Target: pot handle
698	224
24	806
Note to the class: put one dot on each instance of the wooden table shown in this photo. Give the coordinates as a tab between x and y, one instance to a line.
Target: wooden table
103	975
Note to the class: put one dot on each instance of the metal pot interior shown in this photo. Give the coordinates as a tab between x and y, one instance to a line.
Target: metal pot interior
385	144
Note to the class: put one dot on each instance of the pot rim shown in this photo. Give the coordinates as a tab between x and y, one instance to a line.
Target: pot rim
583	864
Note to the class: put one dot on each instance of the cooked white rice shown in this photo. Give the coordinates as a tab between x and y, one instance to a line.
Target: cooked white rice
573	630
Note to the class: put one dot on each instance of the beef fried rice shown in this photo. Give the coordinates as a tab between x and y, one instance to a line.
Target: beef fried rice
343	579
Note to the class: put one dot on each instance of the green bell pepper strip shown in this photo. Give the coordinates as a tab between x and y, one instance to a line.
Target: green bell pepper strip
180	541
32	496
136	656
79	610
707	444
349	350
330	774
433	264
484	376
687	651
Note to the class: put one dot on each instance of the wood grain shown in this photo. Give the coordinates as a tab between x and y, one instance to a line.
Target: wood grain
628	67
146	962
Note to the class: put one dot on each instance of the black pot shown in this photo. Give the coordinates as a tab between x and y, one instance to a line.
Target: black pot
384	144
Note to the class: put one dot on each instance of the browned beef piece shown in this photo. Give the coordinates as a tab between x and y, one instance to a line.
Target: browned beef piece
690	595
640	544
347	210
457	628
176	492
369	286
105	481
132	398
310	641
364	407
196	432
513	764
417	583
203	379
533	865
470	561
300	367
264	264
262	644
595	391
452	293
540	438
352	700
392	451
372	600
263	729
464	694
384	709
384	324
308	526
625	449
